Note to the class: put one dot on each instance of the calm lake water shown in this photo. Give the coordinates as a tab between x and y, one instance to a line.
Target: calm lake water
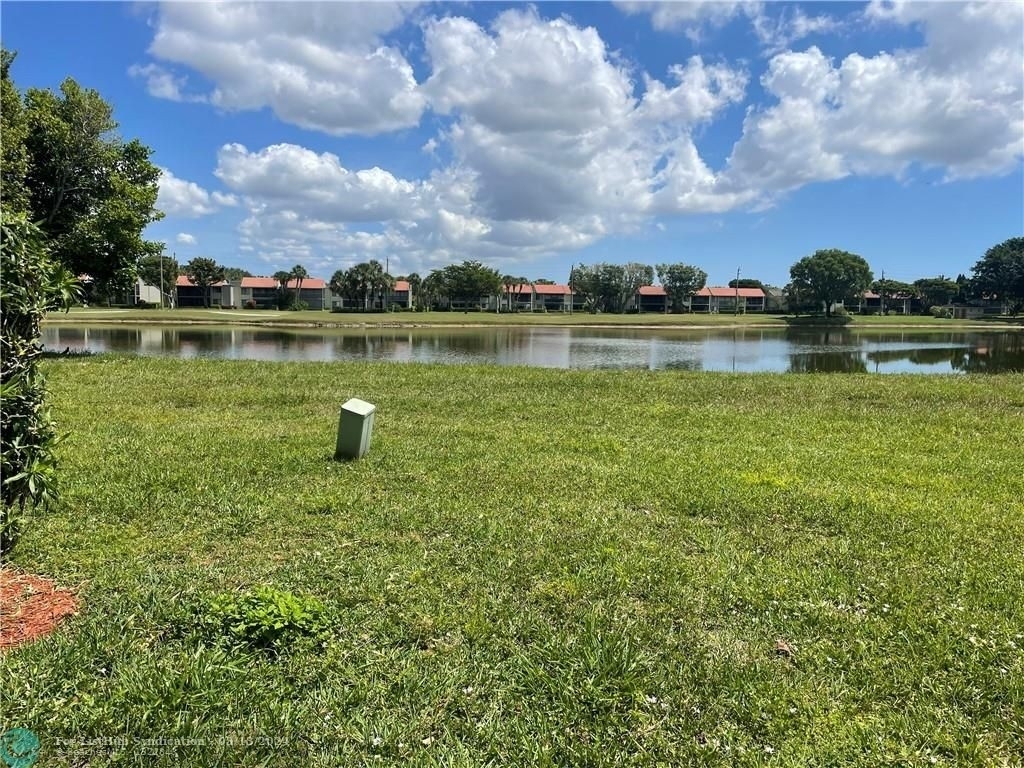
746	350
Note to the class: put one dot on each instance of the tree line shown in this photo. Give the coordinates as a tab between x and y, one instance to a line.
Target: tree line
818	282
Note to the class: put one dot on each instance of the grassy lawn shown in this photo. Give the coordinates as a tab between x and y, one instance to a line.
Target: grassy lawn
533	567
270	317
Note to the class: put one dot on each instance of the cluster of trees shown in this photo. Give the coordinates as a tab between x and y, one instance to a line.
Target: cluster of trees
367	282
820	280
75	198
830	276
65	167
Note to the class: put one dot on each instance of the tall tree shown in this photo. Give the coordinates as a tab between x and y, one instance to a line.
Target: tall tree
338	284
414	281
432	289
204	273
635	275
374	276
153	268
890	289
13	150
680	282
936	291
829	276
92	193
509	283
384	284
469	281
744	282
609	287
1000	273
298	274
282	277
235	274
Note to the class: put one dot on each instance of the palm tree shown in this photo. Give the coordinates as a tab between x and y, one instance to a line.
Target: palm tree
431	287
282	278
299	274
385	284
377	282
507	282
414	281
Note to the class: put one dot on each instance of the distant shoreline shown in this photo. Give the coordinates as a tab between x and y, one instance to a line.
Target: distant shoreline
230	318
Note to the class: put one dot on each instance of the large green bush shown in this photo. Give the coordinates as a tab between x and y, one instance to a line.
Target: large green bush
32	284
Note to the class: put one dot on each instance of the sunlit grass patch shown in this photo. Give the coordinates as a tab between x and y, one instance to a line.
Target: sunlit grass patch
535	567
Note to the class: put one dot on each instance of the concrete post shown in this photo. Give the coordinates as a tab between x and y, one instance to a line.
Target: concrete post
355	428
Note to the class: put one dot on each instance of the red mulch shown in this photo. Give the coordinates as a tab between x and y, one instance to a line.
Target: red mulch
30	607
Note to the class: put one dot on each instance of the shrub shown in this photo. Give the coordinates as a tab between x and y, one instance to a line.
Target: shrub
251	304
298	306
142	304
943	313
32	285
264	619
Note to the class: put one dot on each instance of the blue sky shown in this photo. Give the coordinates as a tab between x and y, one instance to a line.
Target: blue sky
722	134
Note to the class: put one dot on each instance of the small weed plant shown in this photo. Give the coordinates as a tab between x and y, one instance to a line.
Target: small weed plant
264	619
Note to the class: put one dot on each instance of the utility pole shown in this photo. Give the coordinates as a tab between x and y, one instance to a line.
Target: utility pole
161	278
736	309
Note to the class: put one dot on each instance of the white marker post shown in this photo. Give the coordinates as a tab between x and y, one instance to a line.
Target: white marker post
355	428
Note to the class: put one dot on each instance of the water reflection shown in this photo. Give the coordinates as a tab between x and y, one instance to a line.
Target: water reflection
797	350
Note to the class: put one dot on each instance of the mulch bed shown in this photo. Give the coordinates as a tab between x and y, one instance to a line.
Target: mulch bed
30	607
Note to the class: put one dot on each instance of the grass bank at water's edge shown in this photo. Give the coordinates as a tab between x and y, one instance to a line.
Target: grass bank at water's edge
535	567
96	315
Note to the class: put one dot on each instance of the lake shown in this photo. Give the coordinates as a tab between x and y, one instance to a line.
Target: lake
740	350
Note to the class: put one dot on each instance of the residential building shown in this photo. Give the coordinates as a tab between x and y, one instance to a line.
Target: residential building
537	297
314	292
649	298
188	294
718	298
263	291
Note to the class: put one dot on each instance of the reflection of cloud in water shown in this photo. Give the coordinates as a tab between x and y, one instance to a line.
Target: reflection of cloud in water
741	350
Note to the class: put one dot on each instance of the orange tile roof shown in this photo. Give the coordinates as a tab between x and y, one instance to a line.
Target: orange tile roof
309	282
557	289
401	285
183	282
652	290
725	292
259	282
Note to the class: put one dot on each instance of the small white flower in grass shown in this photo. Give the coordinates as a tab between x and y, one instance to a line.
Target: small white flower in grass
933	759
468	690
651	699
768	750
792	710
377	741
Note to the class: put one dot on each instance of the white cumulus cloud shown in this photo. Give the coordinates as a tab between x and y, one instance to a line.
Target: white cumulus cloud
954	104
548	141
317	65
178	197
184	238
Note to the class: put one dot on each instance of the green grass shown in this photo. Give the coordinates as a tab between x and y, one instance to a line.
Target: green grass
533	567
268	317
